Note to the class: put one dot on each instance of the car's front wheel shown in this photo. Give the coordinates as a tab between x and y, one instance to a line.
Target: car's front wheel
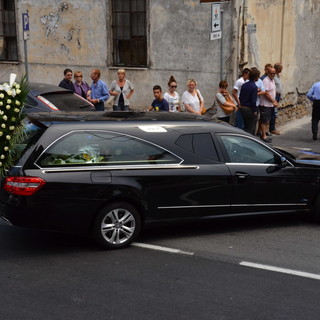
116	225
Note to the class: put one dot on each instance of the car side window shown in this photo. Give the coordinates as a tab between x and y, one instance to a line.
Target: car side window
103	148
244	150
200	144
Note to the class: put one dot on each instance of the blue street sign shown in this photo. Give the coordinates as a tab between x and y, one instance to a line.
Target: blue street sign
25	21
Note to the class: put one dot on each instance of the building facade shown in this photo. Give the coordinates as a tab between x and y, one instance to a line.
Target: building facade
154	39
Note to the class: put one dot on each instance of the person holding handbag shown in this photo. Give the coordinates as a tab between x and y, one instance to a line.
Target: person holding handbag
225	103
192	98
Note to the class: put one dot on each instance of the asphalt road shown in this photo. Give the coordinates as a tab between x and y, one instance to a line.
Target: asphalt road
297	133
47	275
213	273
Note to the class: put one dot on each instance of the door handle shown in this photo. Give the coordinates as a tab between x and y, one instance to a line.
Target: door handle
242	175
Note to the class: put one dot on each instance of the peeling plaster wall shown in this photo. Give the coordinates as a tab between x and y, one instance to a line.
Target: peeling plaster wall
287	32
77	34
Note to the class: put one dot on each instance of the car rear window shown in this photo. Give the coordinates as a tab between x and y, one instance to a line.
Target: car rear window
200	144
67	101
32	132
103	148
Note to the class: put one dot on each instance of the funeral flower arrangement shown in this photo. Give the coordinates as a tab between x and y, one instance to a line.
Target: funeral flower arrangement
12	97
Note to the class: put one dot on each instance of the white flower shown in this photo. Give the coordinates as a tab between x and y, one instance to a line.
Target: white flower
1	133
6	148
1	95
5	118
2	156
9	101
0	164
17	86
8	137
16	110
11	128
1	103
13	119
18	103
3	125
7	107
9	93
18	91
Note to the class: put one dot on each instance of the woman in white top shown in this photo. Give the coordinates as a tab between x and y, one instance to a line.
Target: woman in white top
192	98
122	89
172	96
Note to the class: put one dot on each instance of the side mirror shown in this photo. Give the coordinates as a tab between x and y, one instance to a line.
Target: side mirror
283	162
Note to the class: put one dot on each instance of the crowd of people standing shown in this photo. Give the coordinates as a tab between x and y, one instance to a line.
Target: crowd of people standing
251	106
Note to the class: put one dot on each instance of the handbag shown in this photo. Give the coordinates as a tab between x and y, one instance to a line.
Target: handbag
203	110
225	108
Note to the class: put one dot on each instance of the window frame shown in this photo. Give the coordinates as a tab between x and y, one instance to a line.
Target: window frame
9	54
114	54
227	155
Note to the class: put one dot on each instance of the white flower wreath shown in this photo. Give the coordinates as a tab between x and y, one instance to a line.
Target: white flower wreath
12	97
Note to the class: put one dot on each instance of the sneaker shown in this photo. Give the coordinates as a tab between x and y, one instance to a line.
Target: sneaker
275	132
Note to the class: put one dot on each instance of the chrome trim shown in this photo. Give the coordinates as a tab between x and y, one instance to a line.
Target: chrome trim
251	163
6	220
105	131
233	205
117	168
268	205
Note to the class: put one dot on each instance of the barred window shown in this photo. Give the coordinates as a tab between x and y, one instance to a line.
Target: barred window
8	31
129	25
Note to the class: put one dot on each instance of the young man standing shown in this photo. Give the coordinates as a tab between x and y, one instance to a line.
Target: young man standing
99	90
159	103
66	82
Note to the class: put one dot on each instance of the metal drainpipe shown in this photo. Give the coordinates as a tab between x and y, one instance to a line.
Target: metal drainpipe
282	29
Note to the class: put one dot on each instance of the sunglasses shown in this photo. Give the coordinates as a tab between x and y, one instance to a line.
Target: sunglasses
173	86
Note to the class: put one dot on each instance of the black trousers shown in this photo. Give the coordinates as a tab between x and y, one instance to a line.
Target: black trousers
249	119
315	116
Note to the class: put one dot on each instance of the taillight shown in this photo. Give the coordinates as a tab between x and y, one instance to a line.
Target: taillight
24	186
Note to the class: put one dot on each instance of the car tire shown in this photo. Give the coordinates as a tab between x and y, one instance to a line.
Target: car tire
116	225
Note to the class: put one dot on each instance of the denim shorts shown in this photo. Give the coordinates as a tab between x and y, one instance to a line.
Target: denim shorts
265	114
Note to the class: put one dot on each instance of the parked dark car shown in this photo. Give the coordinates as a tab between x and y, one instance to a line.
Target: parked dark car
47	97
108	175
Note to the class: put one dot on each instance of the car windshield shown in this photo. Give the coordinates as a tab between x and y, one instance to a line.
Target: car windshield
67	101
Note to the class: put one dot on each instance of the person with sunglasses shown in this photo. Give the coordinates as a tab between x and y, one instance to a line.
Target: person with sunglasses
172	96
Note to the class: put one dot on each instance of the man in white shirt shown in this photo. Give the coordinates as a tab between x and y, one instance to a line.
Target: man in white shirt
236	94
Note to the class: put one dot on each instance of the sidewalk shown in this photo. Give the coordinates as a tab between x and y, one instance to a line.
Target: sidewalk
297	134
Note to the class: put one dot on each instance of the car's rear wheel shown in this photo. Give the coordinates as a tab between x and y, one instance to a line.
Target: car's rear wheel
116	225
